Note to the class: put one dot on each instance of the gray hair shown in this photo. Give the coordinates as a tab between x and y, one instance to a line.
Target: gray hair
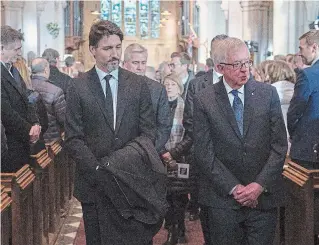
38	65
51	55
134	48
225	48
10	35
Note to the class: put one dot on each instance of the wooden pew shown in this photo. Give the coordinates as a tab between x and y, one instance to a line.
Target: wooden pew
41	164
302	210
6	225
54	187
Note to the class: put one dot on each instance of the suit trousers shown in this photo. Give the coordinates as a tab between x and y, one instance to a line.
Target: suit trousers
244	226
105	226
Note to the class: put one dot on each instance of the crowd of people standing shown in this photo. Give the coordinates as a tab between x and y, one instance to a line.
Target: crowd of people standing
150	145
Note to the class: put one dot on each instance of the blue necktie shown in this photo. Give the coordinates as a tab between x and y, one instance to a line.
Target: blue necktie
239	111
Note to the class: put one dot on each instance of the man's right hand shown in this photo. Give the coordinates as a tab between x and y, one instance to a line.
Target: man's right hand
35	133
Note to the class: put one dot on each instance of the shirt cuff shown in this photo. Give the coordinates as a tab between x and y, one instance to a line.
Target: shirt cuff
232	190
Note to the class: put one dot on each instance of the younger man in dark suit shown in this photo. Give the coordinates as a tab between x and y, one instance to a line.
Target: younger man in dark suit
303	112
240	146
19	118
107	108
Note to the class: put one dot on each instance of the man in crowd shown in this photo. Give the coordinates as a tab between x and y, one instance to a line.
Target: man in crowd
303	112
52	96
58	78
196	85
240	146
109	114
135	60
18	116
180	63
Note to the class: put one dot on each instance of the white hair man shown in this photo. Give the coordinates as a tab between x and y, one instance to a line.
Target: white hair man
135	60
241	187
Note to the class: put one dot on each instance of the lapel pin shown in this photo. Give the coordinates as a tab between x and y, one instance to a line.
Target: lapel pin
252	93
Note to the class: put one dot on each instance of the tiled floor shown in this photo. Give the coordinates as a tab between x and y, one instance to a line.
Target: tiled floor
71	225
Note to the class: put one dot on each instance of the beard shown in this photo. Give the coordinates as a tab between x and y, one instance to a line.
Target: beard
112	65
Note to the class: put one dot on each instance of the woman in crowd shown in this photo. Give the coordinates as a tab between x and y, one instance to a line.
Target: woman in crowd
174	152
163	71
283	78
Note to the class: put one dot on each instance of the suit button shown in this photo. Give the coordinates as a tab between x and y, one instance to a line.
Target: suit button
116	138
245	153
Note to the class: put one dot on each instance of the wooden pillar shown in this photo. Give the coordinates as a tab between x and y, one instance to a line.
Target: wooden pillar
6	224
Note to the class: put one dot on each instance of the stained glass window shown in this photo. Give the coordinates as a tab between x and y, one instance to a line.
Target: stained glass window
155	18
147	11
117	12
144	10
130	17
105	9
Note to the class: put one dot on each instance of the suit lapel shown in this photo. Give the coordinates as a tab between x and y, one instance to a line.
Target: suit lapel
11	80
248	108
97	91
223	102
121	97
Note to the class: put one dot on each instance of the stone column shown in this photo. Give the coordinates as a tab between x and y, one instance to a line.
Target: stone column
40	8
13	13
256	26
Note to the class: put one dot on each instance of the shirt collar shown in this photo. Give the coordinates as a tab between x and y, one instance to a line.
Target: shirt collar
315	60
218	74
229	89
102	74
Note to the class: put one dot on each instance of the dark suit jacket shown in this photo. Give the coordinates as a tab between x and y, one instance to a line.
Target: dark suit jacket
162	112
225	158
17	116
137	185
191	76
59	79
303	114
89	134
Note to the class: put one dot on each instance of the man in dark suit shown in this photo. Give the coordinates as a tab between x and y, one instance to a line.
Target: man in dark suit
58	78
196	85
240	146
18	116
179	65
107	108
135	60
303	112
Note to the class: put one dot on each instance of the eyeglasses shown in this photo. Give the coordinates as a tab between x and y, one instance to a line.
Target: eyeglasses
239	65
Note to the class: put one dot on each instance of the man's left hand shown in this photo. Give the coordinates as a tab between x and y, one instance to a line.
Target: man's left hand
248	194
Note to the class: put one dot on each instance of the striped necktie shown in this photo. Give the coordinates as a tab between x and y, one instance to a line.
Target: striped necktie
238	109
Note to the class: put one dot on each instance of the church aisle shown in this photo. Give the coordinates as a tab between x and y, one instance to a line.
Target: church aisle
194	232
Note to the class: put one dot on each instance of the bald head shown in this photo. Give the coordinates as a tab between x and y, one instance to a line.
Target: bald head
40	66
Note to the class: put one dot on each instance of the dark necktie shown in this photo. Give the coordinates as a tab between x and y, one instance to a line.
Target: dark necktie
109	98
238	110
8	66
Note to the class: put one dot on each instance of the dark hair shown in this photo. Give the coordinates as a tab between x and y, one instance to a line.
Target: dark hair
10	35
51	55
210	62
184	57
103	28
69	61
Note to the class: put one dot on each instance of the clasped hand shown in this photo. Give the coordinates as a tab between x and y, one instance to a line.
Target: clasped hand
248	195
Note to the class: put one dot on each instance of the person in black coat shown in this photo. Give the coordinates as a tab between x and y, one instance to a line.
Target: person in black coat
18	116
58	78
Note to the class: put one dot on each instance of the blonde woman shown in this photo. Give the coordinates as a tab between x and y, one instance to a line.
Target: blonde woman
283	78
178	190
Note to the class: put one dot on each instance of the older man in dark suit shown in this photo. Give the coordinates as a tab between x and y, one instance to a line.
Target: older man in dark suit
303	112
240	146
135	60
19	118
108	109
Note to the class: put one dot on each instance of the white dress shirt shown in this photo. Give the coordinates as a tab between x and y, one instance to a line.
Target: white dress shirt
114	87
231	96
